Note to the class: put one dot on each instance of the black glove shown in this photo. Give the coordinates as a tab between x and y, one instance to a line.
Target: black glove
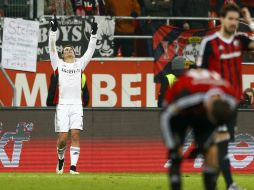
94	27
53	24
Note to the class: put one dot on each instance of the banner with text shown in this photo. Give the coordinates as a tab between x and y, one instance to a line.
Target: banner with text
76	31
20	41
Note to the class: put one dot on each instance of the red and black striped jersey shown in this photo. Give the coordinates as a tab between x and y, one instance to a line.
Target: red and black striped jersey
195	86
225	57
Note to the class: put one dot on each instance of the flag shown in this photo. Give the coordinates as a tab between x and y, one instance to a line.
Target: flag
169	42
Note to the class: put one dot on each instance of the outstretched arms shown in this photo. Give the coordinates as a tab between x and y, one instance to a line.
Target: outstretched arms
52	43
84	60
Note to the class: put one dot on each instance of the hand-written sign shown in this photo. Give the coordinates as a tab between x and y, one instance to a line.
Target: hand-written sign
20	41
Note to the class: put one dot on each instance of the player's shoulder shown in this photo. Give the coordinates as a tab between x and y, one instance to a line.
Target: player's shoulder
241	35
209	38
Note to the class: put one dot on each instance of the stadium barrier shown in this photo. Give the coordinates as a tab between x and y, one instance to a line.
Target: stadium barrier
114	140
114	82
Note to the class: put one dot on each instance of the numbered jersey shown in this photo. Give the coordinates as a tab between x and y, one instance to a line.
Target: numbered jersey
194	86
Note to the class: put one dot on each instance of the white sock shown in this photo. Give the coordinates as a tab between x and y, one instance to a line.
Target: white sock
60	152
74	152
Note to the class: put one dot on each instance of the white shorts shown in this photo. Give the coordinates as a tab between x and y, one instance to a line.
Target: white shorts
68	117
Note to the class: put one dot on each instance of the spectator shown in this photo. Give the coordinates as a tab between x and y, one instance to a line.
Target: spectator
158	7
248	98
1	8
175	69
101	4
191	8
123	27
155	8
59	7
87	7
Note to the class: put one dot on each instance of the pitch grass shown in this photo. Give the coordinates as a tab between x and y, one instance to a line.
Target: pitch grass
107	181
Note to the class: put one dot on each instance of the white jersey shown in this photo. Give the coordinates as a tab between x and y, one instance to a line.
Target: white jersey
69	74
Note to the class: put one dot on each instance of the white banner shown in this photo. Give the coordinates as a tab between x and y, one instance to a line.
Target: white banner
20	42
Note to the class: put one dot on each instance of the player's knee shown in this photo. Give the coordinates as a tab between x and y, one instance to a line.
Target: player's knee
75	136
211	157
223	154
61	143
62	140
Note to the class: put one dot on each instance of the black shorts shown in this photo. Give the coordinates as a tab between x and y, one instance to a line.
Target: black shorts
201	126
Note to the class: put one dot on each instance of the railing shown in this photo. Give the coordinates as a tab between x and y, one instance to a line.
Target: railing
19	8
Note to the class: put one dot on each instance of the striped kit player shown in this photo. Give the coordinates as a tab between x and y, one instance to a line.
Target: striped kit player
201	101
222	52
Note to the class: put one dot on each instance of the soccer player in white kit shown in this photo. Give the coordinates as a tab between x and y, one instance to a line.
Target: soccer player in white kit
68	98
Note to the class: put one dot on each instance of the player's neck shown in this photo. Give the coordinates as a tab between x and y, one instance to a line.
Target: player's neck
225	34
69	60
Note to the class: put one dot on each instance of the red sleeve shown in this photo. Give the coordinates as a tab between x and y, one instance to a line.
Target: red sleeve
175	91
168	98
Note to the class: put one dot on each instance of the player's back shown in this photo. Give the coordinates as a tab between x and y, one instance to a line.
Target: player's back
192	87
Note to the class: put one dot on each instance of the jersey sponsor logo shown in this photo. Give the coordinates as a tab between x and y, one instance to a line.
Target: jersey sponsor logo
230	55
71	71
221	47
22	133
236	43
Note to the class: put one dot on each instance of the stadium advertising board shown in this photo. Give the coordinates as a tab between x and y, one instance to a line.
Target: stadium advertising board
111	84
113	141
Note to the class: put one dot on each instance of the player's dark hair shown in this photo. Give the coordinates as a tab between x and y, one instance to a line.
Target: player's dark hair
65	46
228	8
221	112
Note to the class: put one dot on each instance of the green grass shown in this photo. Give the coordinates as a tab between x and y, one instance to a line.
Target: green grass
106	181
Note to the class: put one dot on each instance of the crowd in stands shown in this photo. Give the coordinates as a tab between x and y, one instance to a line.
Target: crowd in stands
247	100
134	8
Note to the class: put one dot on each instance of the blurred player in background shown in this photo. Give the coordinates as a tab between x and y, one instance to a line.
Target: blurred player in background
222	52
69	111
199	99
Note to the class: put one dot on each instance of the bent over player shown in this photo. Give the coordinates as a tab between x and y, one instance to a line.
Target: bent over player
69	111
200	99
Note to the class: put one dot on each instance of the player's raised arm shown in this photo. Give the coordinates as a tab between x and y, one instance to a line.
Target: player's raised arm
52	43
84	60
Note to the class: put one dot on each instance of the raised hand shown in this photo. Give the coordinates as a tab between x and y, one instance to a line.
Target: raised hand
94	27
53	24
246	15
